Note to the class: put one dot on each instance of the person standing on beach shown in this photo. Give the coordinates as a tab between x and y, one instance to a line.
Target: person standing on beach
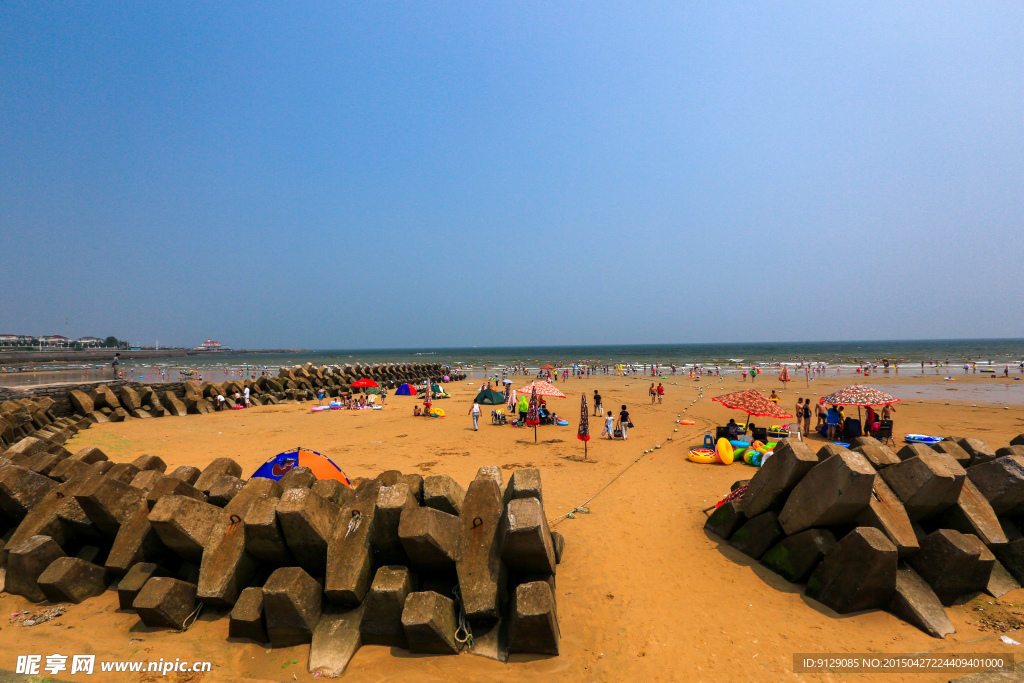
524	407
799	412
624	422
661	392
598	408
245	396
807	417
475	412
652	393
609	426
115	364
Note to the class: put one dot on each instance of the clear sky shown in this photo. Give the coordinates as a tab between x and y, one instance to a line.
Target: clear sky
338	175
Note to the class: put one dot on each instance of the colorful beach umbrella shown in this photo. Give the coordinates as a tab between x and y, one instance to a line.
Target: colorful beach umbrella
543	389
532	416
583	433
282	463
547	367
753	404
364	382
858	395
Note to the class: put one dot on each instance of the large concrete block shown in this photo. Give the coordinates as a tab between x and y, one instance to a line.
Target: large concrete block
858	573
558	541
726	519
1000	481
307	521
226	569
482	574
187	473
886	513
430	538
773	482
123	472
524	483
255	489
184	524
70	579
21	489
443	493
150	462
526	544
264	539
978	450
758	534
1000	581
335	640
223	490
332	490
27	562
796	557
877	453
834	491
953	450
914	602
215	469
947	562
350	563
533	626
129	398
132	582
298	478
391	502
165	602
247	616
913	450
146	480
430	621
382	620
1011	556
926	484
171	486
292	604
109	503
415	484
972	514
136	541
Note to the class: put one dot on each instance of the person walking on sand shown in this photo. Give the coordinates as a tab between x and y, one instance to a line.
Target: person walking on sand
624	423
661	392
652	393
609	426
524	407
475	412
598	408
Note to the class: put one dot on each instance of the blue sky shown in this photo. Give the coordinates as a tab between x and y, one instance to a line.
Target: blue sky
450	174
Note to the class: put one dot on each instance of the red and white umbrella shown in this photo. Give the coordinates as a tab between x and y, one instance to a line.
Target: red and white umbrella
583	434
858	395
543	389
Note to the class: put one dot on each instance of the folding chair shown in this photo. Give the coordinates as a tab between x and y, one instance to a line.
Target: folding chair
884	432
794	430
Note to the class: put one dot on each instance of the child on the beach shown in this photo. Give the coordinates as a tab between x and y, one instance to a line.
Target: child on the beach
609	426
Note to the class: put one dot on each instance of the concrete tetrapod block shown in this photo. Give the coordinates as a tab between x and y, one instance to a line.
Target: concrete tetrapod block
834	491
150	462
255	489
795	557
123	472
726	519
443	493
292	603
886	513
223	490
1011	556
26	563
307	521
1000	481
226	569
332	490
22	489
558	543
430	538
184	524
69	579
382	620
526	543
524	483
1005	451
1000	582
914	450
926	484
391	502
146	480
533	622
247	616
877	453
335	640
215	469
187	473
136	541
1017	440
983	569
297	478
914	602
482	574
350	563
772	483
972	514
858	573
430	621
131	583
947	562
415	484
758	534
67	469
165	602
953	450
492	472
171	486
263	537
109	503
978	450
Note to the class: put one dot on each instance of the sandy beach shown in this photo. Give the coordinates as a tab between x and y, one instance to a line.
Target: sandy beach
643	592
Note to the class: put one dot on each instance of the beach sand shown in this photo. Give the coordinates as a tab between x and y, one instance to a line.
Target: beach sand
643	592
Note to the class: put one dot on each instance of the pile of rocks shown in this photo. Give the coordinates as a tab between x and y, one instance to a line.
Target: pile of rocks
908	531
399	560
300	383
29	424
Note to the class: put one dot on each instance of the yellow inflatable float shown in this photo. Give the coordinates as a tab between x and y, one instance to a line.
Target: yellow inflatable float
702	455
724	452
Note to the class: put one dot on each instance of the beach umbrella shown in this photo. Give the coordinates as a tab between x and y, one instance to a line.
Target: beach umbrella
547	367
543	389
364	382
532	416
753	404
583	434
858	395
784	375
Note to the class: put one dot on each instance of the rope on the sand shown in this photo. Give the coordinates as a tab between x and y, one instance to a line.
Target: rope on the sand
463	626
582	508
195	615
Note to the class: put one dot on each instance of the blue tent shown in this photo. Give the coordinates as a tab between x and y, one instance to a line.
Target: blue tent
406	390
282	463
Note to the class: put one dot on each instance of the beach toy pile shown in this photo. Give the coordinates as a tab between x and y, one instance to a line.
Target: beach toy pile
727	452
292	555
910	531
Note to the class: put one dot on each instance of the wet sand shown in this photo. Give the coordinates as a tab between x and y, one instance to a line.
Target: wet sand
643	592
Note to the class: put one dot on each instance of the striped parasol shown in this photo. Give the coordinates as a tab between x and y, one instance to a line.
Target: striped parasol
752	403
543	389
532	418
583	434
858	395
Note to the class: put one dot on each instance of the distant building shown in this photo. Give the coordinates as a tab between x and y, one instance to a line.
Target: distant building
91	341
54	340
211	345
15	340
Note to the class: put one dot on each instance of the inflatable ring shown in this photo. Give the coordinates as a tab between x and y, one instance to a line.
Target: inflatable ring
687	422
702	455
724	452
750	455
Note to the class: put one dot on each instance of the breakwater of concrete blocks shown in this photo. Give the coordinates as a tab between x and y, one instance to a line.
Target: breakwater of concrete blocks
910	531
399	560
